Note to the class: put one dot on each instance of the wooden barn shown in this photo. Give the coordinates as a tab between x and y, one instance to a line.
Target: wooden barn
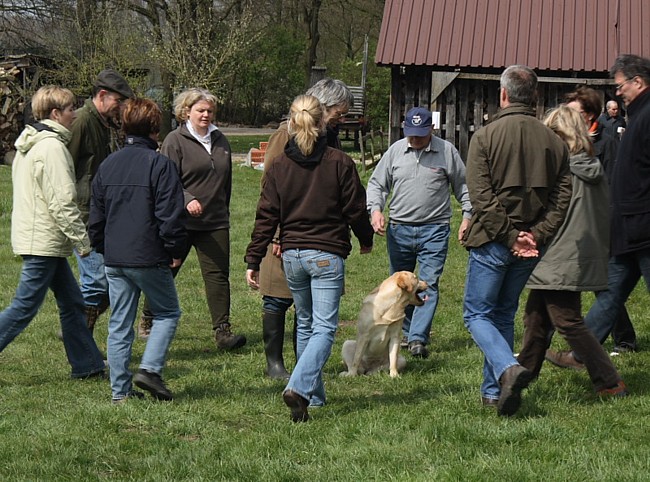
447	55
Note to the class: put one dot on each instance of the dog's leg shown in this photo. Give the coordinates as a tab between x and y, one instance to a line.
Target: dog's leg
355	367
393	354
347	353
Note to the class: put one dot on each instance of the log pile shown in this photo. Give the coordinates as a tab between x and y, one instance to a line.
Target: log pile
12	103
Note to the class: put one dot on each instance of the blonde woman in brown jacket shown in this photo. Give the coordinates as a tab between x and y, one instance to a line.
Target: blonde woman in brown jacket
336	98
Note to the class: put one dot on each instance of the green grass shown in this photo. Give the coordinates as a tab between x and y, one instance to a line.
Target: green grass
241	144
228	422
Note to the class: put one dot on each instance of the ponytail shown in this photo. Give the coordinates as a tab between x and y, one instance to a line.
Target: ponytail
306	122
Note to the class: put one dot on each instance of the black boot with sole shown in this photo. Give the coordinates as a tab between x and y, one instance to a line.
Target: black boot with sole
273	335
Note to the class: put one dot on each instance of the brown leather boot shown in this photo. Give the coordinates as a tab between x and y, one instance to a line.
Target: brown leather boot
144	326
92	314
226	339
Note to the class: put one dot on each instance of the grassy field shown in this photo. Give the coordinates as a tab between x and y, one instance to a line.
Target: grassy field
228	422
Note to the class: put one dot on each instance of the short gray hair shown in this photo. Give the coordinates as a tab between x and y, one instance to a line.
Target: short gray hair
632	66
520	83
331	92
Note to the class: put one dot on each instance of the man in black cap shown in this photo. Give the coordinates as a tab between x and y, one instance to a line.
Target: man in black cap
94	137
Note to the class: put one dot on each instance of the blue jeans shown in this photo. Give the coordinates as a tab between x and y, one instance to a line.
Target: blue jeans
427	245
495	279
273	304
92	278
38	274
125	286
316	281
623	273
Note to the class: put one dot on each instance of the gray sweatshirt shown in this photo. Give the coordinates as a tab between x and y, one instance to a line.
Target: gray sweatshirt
420	181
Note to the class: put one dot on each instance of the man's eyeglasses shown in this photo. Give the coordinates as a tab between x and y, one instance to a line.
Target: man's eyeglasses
620	86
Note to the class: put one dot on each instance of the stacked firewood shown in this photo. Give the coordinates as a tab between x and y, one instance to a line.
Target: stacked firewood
12	103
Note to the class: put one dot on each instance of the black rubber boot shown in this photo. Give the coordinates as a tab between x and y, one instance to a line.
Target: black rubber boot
273	335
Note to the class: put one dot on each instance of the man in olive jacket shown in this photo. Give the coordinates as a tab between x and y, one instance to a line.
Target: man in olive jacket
520	186
94	137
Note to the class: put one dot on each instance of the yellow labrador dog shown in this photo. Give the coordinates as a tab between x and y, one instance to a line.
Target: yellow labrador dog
379	327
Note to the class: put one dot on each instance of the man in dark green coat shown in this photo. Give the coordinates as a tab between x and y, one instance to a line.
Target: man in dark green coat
94	137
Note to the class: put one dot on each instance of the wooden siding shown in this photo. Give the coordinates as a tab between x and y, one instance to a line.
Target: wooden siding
469	101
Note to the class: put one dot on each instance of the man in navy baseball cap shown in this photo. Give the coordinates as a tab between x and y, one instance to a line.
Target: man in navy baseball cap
420	171
418	122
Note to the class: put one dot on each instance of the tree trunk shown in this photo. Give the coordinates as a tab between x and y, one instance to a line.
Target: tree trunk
311	20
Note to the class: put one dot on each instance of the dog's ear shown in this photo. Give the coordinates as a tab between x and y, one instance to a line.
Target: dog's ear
403	281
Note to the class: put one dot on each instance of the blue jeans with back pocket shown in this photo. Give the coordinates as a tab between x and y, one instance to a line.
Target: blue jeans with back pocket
316	281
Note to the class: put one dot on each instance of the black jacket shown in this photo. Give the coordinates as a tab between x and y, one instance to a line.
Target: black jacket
605	149
137	213
630	182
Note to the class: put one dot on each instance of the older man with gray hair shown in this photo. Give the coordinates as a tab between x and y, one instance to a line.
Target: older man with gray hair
520	187
612	120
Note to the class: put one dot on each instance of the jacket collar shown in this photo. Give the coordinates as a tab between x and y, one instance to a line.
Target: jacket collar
138	141
515	109
637	104
93	110
185	132
53	126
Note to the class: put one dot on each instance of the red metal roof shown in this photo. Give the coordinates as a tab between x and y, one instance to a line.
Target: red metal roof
566	35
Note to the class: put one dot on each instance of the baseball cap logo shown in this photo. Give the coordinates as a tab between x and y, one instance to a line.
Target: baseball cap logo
416	121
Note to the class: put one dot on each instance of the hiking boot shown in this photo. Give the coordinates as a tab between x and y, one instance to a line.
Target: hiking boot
92	314
132	394
297	404
418	349
404	342
564	359
144	326
625	348
153	383
98	375
512	382
226	339
618	390
489	402
104	304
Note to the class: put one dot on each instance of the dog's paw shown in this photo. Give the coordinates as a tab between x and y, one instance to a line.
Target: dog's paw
347	374
394	374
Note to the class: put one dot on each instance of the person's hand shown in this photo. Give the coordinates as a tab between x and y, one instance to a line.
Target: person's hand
277	250
378	222
194	208
176	262
525	246
253	278
464	224
365	249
